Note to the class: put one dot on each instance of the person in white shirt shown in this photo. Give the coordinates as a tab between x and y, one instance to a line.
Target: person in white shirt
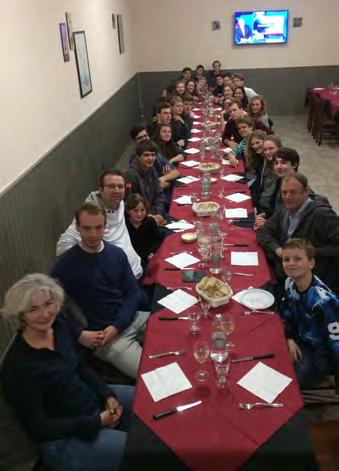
110	195
238	81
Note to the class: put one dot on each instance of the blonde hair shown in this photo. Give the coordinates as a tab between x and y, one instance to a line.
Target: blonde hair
20	296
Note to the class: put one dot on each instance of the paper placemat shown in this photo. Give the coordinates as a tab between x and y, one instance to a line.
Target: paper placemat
178	301
166	381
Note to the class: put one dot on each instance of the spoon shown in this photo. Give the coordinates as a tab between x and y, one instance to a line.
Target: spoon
249	406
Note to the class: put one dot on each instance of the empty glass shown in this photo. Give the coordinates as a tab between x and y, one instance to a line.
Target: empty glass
216	258
205	306
222	370
201	352
194	317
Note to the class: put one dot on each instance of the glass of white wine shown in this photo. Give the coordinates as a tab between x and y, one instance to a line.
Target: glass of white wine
228	326
201	352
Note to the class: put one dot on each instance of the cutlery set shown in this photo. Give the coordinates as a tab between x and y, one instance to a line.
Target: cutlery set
164	354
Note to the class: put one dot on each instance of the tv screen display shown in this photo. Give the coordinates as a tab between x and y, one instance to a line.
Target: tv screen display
260	27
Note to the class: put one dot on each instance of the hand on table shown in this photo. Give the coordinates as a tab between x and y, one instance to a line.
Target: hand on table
232	160
295	352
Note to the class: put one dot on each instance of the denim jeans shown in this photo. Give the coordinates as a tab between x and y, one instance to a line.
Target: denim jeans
312	368
103	454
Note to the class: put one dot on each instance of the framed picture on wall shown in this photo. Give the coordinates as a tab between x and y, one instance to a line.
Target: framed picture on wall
64	41
81	56
70	30
120	34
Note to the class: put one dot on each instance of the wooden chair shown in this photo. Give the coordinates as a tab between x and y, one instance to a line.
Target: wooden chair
323	127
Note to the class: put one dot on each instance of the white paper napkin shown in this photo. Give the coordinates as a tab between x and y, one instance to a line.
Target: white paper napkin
190	163
192	151
238	197
188	179
225	162
196	109
194	139
236	213
178	301
195	131
179	226
232	177
196	122
265	382
183	259
237	297
166	381
227	150
244	258
184	199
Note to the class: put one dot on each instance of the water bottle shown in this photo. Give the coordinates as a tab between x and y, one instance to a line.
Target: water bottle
219	349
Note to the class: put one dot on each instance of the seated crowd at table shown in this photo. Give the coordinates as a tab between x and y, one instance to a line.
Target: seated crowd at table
104	253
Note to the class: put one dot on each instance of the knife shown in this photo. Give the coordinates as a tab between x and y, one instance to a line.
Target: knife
177	269
173	318
236	245
256	357
173	410
242	274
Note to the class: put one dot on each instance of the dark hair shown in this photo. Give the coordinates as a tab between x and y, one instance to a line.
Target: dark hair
302	244
200	66
137	129
235	102
238	75
175	87
187	97
157	137
246	120
216	62
290	155
244	100
134	199
146	146
176	99
219	75
90	208
185	69
227	74
109	171
297	176
162	105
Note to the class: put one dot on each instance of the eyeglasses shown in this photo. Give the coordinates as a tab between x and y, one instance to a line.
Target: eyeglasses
112	186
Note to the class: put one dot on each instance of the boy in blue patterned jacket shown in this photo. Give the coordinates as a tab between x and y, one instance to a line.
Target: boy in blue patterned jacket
310	311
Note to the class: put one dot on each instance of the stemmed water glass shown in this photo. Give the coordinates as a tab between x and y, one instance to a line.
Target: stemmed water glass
204	251
228	326
194	317
205	306
222	370
201	351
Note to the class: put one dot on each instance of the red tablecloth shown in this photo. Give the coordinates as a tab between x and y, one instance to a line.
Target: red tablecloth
217	434
326	95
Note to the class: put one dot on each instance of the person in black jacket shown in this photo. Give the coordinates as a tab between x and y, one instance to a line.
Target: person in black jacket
78	421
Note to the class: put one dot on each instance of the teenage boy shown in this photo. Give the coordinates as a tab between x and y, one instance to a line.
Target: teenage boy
218	90
163	115
245	126
212	74
188	113
310	311
238	81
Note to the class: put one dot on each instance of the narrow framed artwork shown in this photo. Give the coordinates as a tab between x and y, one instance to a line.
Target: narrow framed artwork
64	41
70	30
121	34
81	56
113	21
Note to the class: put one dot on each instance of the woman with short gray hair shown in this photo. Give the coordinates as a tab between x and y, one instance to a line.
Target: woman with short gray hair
78	421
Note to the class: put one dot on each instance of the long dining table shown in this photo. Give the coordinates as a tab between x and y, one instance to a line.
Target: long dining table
216	435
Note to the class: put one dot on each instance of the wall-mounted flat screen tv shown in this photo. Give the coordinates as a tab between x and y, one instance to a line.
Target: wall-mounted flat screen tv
260	27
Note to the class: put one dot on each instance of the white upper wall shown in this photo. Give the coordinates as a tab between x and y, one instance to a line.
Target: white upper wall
176	33
39	92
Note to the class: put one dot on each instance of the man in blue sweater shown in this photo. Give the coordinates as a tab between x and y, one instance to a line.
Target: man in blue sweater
98	277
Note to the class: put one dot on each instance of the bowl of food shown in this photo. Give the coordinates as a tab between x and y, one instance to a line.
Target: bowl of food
215	291
209	167
189	237
206	208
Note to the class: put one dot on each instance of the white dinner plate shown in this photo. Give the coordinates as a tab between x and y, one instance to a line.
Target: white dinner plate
257	299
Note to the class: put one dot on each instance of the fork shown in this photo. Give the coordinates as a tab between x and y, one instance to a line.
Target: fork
249	406
159	355
180	287
257	311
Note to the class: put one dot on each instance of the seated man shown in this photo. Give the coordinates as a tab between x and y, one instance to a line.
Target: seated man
166	172
245	128
180	131
302	217
163	115
285	162
111	196
218	90
310	311
185	76
97	276
238	81
188	113
141	178
231	136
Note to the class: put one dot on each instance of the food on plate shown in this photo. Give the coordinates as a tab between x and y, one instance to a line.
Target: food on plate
209	167
208	206
213	287
189	237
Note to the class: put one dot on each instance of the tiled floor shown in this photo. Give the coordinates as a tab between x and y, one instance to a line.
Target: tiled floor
319	164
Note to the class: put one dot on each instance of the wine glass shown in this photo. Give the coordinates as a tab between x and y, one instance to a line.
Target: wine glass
201	352
228	325
220	192
205	306
194	317
204	251
222	370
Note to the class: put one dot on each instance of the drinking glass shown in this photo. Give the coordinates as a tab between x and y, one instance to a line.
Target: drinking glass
205	306
216	258
220	192
201	352
222	370
226	275
194	317
228	325
204	251
194	198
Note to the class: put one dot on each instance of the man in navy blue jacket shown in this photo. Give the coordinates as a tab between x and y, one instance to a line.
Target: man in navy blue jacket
98	277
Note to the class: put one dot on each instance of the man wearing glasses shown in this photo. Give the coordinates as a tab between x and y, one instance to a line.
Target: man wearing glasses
110	195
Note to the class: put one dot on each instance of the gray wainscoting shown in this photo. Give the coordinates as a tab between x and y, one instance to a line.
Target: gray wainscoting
283	88
40	205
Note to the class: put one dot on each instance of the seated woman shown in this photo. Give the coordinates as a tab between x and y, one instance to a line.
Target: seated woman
255	155
265	184
199	72
240	95
191	89
78	421
167	147
180	131
202	86
179	89
143	230
257	111
310	311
